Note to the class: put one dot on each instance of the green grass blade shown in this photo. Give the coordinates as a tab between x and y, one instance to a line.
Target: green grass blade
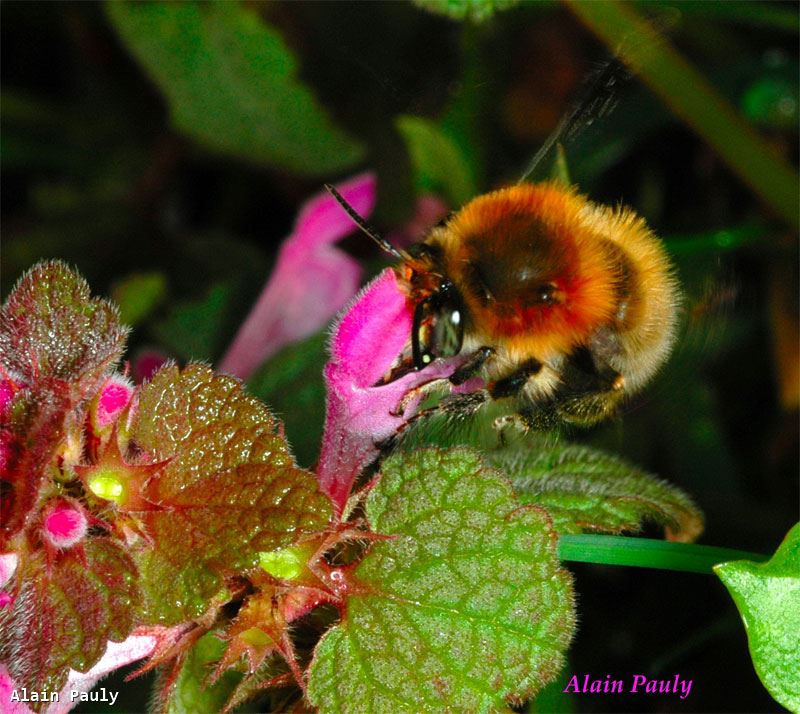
695	101
648	553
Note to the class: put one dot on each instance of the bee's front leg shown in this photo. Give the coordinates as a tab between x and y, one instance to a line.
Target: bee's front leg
472	366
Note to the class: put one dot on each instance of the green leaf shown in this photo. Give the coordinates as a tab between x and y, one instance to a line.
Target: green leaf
768	598
291	383
231	83
696	102
52	327
138	295
192	693
587	490
474	10
560	170
465	609
439	165
229	490
193	327
64	613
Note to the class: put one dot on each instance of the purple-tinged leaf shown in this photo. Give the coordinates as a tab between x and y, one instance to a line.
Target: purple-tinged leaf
52	327
64	613
117	654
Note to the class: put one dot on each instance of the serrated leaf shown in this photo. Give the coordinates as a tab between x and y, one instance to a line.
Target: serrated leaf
51	327
439	164
768	598
465	610
588	490
475	10
232	84
63	614
230	489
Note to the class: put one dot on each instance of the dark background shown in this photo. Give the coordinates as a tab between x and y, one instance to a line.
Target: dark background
95	173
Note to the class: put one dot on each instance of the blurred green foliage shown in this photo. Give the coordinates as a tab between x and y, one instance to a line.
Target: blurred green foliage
180	139
230	82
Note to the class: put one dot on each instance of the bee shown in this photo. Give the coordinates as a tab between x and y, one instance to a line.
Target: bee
559	303
563	305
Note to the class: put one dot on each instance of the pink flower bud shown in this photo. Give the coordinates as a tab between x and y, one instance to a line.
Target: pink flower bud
113	398
64	524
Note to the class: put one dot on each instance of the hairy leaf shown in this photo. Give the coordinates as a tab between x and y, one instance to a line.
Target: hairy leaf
64	613
768	598
51	327
232	83
587	490
229	490
465	610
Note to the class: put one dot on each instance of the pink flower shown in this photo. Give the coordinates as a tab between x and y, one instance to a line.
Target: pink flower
372	333
311	282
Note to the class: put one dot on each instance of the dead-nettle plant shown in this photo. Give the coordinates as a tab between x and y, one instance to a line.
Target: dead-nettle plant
170	520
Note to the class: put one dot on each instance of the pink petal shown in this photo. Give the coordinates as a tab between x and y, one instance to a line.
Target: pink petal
8	564
118	654
311	282
367	340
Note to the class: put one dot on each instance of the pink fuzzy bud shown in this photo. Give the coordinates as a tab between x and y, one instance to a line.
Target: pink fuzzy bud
113	398
64	524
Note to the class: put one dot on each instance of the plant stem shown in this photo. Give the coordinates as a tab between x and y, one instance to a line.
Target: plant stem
695	100
648	553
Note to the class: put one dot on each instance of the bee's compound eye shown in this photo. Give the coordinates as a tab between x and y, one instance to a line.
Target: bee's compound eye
438	329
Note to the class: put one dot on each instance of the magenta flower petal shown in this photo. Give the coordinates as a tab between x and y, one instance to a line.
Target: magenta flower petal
366	341
311	282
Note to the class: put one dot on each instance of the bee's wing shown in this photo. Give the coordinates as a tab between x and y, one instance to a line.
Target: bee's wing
599	92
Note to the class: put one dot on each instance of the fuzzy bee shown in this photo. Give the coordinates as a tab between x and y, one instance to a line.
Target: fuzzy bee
558	303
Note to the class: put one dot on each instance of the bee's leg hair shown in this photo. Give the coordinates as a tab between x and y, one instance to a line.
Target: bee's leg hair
472	366
513	384
543	417
420	392
460	404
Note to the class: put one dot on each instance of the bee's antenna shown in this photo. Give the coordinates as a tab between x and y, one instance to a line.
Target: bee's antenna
362	224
